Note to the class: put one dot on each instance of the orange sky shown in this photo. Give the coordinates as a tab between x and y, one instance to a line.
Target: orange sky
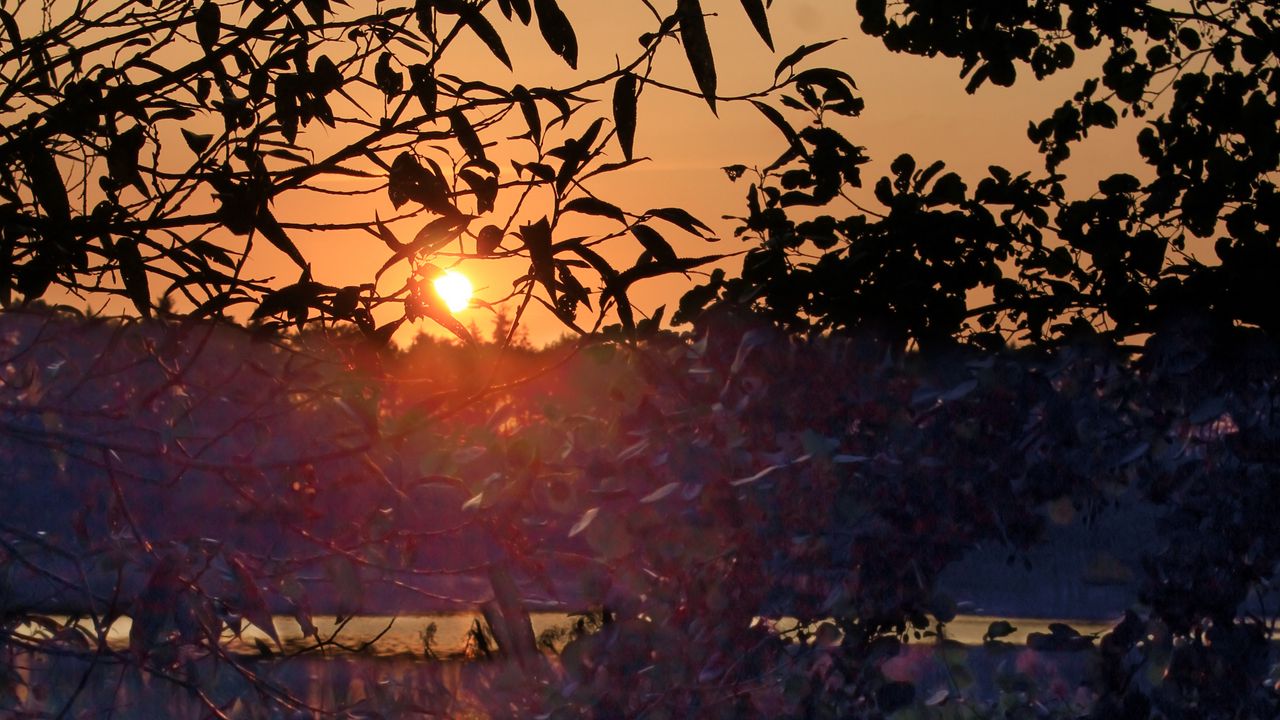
913	105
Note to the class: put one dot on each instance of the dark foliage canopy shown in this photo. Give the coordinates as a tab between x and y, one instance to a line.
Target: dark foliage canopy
1011	256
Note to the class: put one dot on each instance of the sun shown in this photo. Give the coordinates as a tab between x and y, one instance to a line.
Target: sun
455	289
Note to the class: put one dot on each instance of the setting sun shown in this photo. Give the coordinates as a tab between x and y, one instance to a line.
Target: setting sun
455	289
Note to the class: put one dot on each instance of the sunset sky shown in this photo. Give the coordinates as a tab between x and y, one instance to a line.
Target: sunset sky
914	105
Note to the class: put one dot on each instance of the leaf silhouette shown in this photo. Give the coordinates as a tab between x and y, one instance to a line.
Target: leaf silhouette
681	218
522	10
489	240
484	30
133	273
624	111
271	230
557	31
799	54
755	11
529	109
208	24
197	143
594	206
697	48
423	81
316	9
466	135
614	286
537	240
584	521
484	187
389	80
780	122
660	493
46	182
385	234
654	244
253	607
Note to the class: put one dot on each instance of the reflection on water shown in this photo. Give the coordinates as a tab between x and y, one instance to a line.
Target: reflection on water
410	635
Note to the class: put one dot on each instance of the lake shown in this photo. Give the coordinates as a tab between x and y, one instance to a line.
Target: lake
404	636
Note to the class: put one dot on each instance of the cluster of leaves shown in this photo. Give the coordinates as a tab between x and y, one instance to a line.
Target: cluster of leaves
148	147
737	490
699	492
1015	258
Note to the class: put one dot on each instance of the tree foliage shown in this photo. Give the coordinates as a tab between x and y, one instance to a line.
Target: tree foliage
149	147
692	492
1011	256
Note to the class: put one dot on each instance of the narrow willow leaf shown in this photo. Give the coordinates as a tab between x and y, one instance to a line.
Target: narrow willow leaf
133	272
799	54
584	521
660	493
759	20
472	17
594	206
557	31
466	135
624	112
697	48
529	109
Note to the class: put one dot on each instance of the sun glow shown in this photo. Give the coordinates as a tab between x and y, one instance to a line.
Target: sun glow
455	289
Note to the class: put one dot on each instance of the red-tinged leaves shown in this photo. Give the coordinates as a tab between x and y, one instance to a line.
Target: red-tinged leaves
208	24
347	586
759	20
489	240
557	30
529	109
466	135
589	205
697	48
152	612
442	317
583	522
660	493
624	112
799	54
252	605
537	240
